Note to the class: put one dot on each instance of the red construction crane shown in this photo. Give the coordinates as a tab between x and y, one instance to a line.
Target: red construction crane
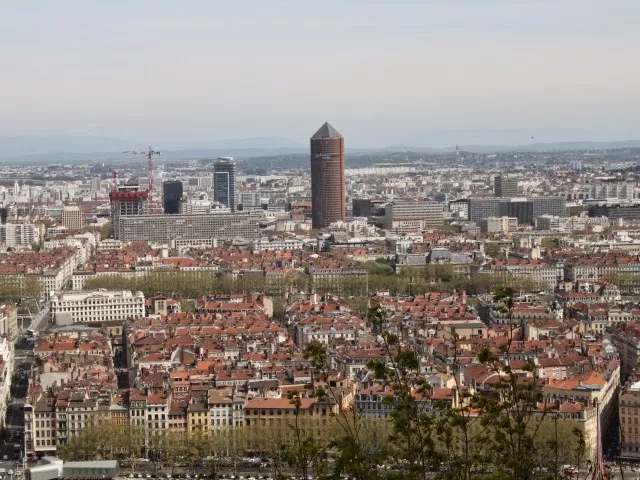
149	154
114	187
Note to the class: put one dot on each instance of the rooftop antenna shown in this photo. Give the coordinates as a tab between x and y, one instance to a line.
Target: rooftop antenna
149	154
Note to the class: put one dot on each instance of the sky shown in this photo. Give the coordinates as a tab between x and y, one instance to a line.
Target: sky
428	73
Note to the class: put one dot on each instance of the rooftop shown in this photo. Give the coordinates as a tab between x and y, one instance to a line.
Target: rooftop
326	131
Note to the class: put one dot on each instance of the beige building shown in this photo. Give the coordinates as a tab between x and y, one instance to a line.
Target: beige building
9	321
98	306
72	217
629	410
498	224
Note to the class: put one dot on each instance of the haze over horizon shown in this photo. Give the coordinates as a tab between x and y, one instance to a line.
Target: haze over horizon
431	74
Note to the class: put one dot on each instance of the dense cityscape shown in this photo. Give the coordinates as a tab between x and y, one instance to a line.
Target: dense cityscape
172	315
348	240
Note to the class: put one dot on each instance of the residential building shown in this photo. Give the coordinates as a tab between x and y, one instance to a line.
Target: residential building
98	306
72	217
15	234
560	224
9	321
626	339
629	412
498	224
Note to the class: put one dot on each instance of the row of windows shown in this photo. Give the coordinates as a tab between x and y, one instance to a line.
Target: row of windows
279	412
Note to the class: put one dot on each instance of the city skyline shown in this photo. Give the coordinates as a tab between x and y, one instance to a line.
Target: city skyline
438	74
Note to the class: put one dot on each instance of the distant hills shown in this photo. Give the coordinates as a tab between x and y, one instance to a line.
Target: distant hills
35	145
41	148
39	145
532	147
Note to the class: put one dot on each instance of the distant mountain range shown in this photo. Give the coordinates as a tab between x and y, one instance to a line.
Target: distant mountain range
28	145
532	147
58	146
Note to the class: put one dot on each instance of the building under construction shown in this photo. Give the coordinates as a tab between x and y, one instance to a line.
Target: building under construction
130	199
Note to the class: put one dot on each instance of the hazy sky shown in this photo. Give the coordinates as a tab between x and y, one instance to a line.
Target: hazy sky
430	72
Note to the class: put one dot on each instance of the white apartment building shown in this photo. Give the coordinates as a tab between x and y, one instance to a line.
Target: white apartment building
225	410
277	243
560	224
157	413
192	206
14	234
55	280
98	306
6	367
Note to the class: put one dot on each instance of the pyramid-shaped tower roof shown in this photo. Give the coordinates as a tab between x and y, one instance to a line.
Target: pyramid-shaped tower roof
326	131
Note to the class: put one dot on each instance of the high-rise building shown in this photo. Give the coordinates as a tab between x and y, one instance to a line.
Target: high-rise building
328	188
224	182
171	195
128	199
72	217
480	208
505	187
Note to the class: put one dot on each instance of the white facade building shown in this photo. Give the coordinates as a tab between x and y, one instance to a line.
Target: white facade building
6	366
14	234
98	306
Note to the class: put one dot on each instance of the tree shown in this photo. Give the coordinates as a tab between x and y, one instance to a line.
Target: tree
106	230
306	454
352	457
502	433
414	434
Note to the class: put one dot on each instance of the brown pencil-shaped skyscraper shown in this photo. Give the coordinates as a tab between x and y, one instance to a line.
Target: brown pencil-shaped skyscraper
328	189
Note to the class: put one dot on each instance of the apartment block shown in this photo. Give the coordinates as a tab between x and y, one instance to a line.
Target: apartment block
167	229
98	306
72	217
412	217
